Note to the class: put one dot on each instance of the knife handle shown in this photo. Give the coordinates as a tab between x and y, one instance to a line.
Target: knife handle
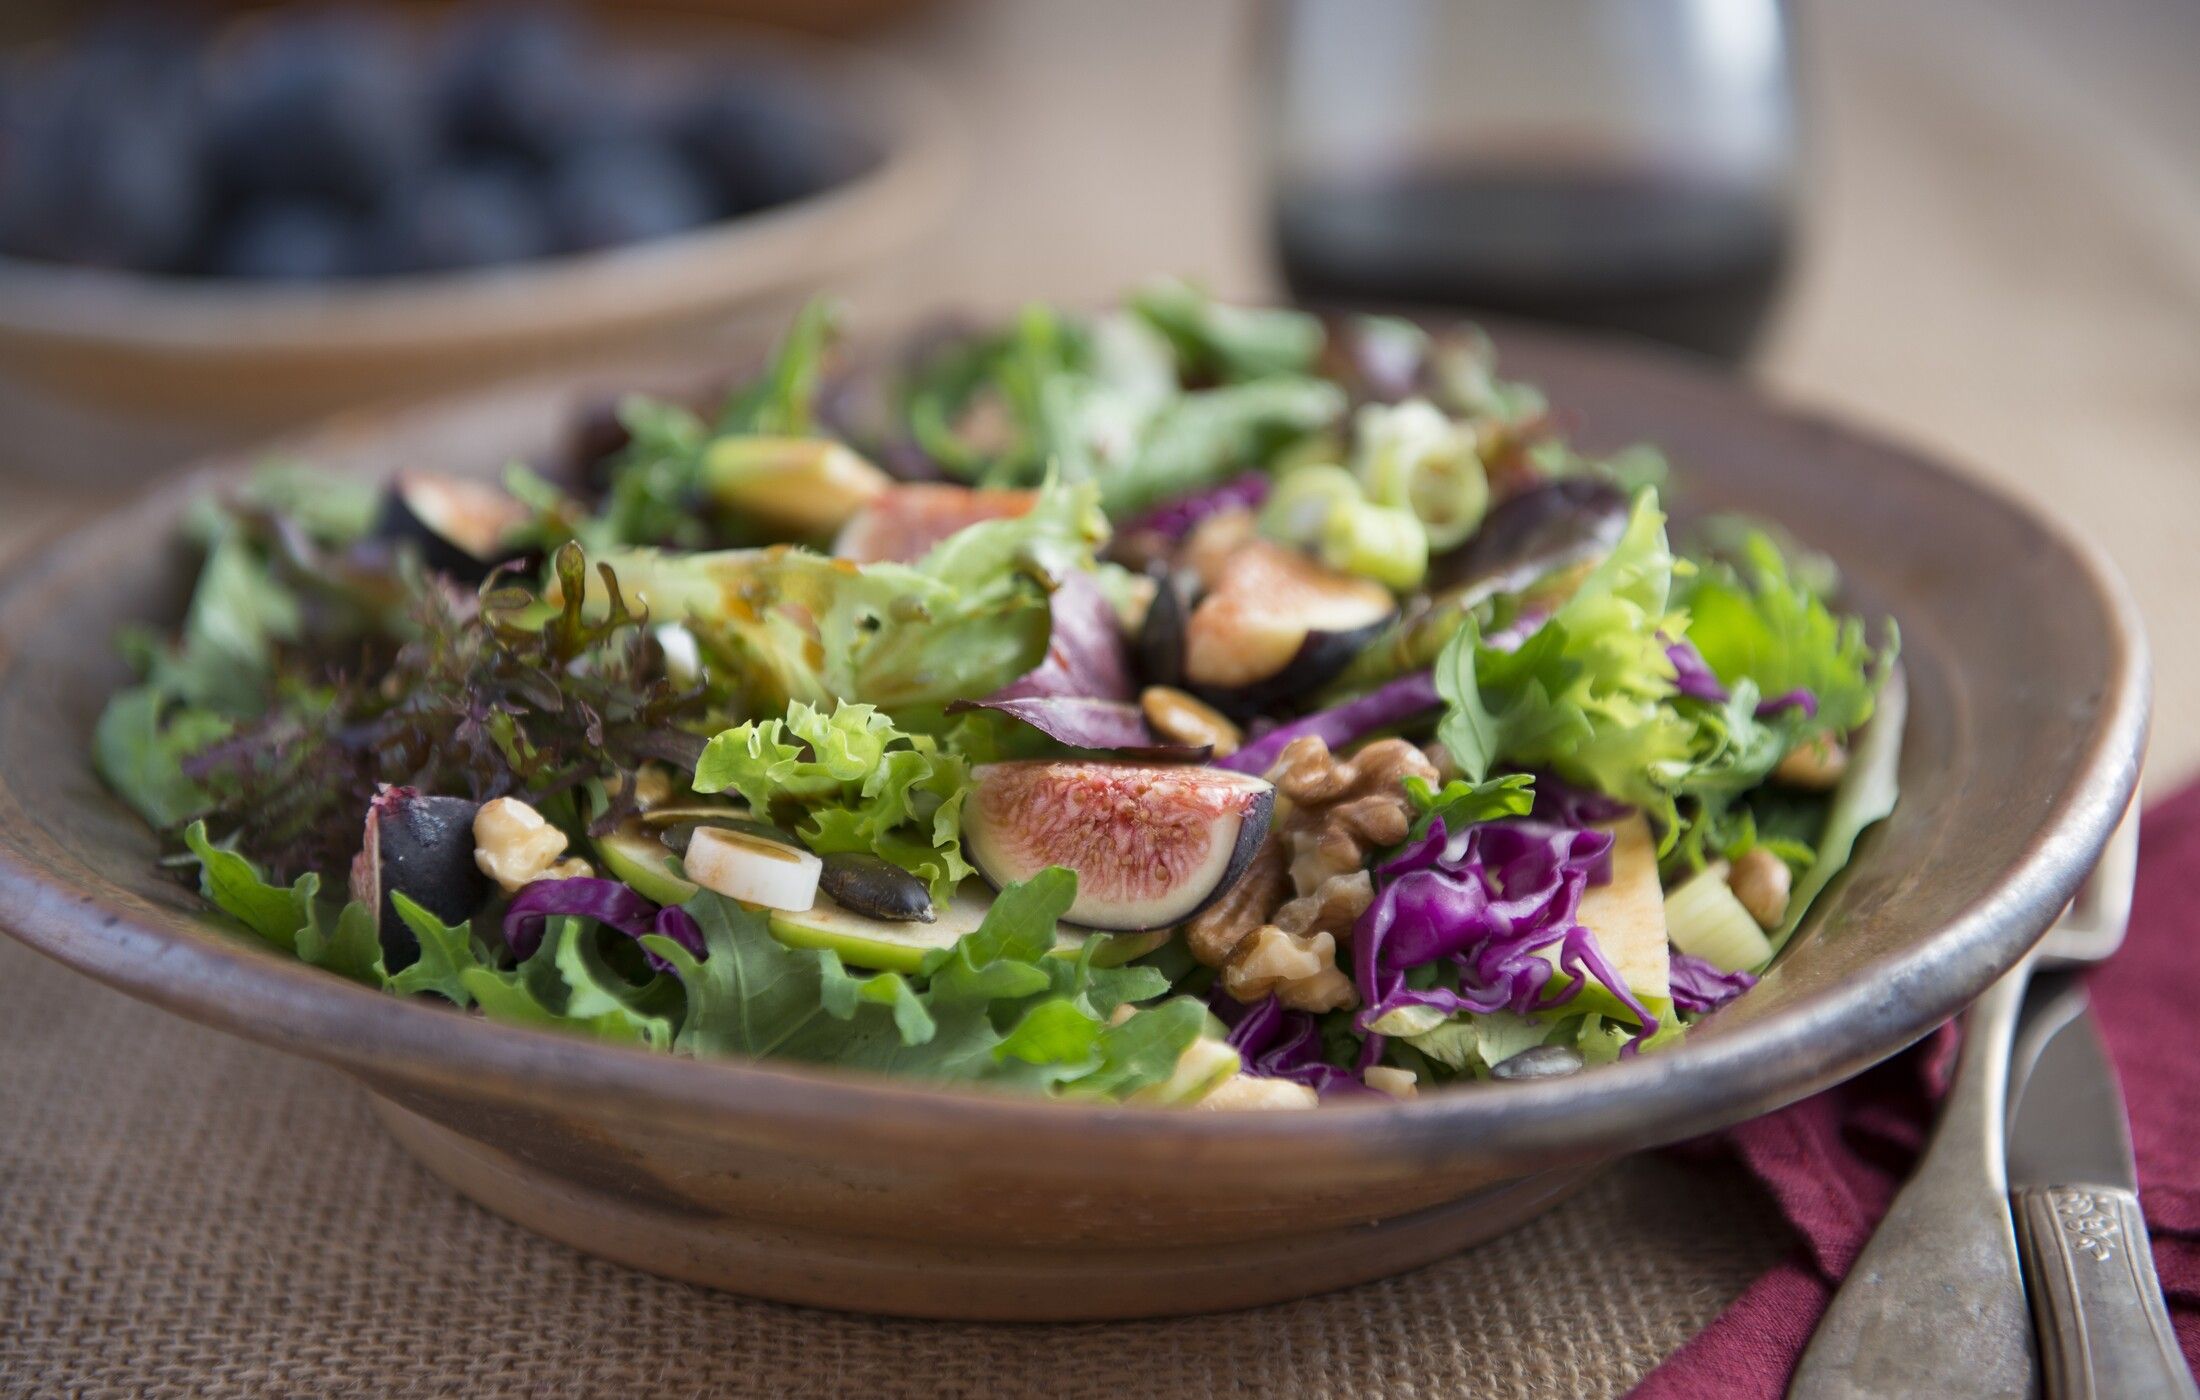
2103	1329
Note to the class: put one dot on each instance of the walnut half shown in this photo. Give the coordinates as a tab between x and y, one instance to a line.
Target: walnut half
1278	928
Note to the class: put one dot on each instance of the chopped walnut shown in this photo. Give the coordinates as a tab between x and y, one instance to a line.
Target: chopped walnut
1277	929
1300	968
515	846
1243	907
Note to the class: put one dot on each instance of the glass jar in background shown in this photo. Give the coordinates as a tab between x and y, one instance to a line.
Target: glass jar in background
1628	164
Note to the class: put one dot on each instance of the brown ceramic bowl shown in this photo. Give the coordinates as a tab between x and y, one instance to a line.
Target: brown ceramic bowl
230	358
2027	685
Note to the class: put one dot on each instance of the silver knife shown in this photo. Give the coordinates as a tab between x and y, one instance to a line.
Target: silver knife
2073	1190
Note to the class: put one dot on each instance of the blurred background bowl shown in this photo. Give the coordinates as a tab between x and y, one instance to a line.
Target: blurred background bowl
227	356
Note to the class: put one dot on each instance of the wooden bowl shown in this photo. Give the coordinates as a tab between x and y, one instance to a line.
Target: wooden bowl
2027	684
237	357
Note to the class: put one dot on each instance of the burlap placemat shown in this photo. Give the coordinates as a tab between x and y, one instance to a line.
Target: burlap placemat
183	1214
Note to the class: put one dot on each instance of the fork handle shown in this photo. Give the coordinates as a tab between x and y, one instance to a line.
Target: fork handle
2103	1330
1935	1302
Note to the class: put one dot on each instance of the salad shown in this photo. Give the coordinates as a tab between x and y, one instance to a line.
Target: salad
1176	704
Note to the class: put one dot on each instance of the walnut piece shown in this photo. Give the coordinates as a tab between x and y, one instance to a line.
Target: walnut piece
515	846
1300	968
1277	929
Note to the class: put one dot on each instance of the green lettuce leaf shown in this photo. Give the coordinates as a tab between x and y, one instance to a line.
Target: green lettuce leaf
784	624
854	782
1215	340
1587	695
1867	793
1756	621
139	746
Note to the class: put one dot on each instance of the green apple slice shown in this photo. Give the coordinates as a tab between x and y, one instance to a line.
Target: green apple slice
890	946
641	860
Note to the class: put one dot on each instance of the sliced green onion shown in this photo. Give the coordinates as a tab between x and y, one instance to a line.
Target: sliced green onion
1299	508
1412	456
1385	543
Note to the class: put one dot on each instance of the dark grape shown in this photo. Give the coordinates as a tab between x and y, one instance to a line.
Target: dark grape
760	141
100	169
464	217
613	192
318	105
287	242
515	81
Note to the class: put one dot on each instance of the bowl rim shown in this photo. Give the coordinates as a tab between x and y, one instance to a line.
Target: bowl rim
1704	1084
920	157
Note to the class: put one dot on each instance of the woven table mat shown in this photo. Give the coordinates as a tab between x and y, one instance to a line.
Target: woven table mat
183	1214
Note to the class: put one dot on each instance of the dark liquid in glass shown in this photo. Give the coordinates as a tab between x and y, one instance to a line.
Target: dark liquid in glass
1676	258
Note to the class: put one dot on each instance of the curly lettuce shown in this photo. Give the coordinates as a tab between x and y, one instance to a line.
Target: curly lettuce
854	782
1588	695
1754	620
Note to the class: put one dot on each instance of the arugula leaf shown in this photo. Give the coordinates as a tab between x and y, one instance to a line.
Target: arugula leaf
751	994
1001	958
1141	1050
842	996
1461	804
781	401
859	783
446	952
235	886
353	948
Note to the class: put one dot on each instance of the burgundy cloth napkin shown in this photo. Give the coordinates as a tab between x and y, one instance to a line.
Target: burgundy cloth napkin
1832	1163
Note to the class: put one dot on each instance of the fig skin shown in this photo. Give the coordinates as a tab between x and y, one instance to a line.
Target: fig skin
1221	820
422	847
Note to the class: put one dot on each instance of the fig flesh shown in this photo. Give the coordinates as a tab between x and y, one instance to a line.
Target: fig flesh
1275	625
902	523
1152	844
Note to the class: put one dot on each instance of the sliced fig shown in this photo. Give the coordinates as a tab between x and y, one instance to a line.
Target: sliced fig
1152	844
1276	624
421	847
903	522
459	525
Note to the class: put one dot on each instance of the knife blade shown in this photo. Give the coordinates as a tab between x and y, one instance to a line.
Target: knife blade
2089	1270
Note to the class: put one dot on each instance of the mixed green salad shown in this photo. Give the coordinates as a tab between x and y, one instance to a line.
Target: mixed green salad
1178	704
